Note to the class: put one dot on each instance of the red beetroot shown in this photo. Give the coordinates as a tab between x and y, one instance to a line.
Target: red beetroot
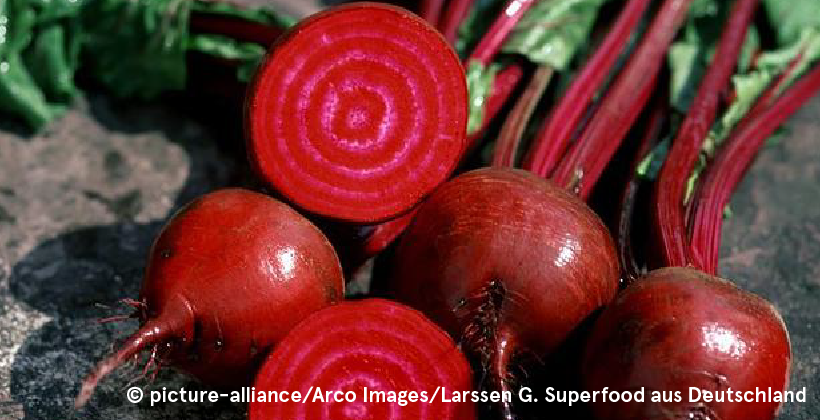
507	263
228	277
678	328
375	344
358	113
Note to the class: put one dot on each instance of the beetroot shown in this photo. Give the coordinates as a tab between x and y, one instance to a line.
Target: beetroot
678	328
228	277
507	263
361	347
358	113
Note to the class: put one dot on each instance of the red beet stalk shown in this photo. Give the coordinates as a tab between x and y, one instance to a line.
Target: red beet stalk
762	103
383	235
504	84
358	113
555	136
491	41
455	13
732	161
772	92
586	160
431	10
509	140
360	349
669	210
625	240
233	27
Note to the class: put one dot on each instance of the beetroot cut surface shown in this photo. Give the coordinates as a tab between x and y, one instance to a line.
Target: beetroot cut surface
378	344
358	113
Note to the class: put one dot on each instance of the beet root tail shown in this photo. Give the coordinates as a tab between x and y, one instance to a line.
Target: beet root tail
153	332
500	373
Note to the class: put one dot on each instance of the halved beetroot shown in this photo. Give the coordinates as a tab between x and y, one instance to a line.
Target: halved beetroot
358	113
374	347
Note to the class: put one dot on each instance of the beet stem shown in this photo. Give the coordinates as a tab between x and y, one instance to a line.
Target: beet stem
669	209
454	14
431	10
504	84
554	137
732	161
491	42
622	104
236	28
626	215
509	140
764	101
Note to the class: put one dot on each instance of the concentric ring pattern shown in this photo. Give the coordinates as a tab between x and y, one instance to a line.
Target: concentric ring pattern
358	113
374	344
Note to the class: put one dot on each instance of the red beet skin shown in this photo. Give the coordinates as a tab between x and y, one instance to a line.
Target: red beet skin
228	277
378	344
507	263
678	328
358	113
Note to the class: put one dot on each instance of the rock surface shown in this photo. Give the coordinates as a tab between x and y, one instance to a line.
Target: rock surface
79	208
80	205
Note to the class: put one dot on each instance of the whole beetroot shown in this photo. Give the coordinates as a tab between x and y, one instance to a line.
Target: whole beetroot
228	276
506	262
678	328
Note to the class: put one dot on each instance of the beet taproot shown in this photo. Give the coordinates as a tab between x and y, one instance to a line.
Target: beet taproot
229	275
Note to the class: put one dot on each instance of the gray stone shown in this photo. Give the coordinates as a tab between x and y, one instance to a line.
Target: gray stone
81	204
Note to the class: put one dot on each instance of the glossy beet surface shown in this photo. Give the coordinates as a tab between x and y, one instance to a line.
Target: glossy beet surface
678	328
358	112
378	344
505	262
228	277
